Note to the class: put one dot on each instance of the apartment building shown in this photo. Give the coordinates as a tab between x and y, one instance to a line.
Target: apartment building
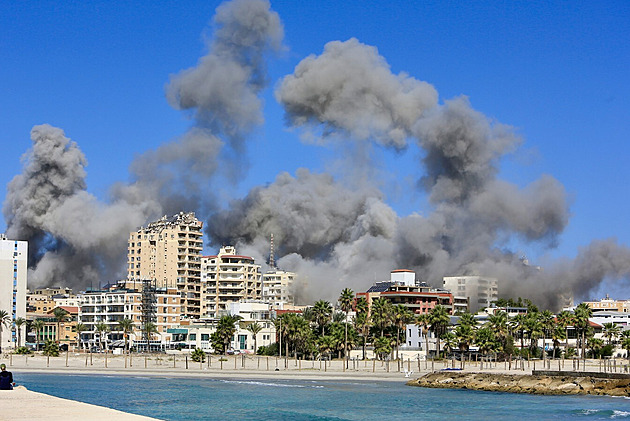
608	304
403	288
168	251
13	273
481	291
277	287
229	278
113	304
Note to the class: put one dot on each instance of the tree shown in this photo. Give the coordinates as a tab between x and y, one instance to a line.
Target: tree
464	335
80	328
498	322
5	320
60	315
518	324
450	341
611	331
198	355
402	316
322	312
557	334
51	348
439	320
625	342
362	322
582	313
565	319
225	331
595	345
382	347
346	299
126	326
382	310
548	322
486	340
535	331
423	322
102	330
19	322
38	325
255	328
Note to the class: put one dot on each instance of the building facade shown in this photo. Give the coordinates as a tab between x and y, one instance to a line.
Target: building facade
277	287
481	291
403	288
229	278
168	251
111	306
13	274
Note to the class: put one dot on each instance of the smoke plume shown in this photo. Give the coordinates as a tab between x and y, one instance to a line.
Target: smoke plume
334	230
77	240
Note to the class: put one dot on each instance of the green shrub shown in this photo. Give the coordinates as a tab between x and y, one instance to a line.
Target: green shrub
23	350
51	349
198	355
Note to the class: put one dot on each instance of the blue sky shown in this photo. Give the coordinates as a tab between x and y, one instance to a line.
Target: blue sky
557	71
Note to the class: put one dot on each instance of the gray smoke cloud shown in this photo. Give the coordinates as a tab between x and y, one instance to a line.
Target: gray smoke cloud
334	231
333	240
223	88
77	240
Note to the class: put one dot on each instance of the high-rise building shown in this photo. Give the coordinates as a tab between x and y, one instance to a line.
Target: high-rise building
168	251
13	269
481	291
277	287
229	278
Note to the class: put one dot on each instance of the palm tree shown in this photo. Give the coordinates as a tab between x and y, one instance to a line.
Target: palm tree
595	345
126	326
486	340
80	328
149	329
625	342
38	325
548	322
346	299
322	312
402	317
498	322
611	331
465	335
5	320
102	330
557	334
565	319
382	310
255	328
423	322
518	324
450	341
19	322
382	347
439	320
534	329
60	315
582	313
225	330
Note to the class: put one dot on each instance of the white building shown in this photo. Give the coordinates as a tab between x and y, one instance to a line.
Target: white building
13	270
277	287
481	291
111	306
228	278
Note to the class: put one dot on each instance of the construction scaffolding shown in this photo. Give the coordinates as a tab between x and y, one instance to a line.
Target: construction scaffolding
149	310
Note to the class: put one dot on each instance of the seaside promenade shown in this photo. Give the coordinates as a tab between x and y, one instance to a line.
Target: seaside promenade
29	404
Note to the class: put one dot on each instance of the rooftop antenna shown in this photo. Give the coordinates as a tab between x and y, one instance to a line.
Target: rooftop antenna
272	262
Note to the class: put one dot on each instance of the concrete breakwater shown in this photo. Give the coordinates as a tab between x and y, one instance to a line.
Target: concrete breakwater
543	384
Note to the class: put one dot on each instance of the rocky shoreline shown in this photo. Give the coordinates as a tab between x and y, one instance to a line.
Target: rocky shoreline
541	384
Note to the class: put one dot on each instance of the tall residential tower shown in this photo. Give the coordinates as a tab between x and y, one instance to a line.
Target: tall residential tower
168	251
13	269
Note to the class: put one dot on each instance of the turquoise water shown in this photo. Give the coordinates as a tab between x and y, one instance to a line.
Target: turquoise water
215	399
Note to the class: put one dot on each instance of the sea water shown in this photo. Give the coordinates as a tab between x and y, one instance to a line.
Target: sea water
170	398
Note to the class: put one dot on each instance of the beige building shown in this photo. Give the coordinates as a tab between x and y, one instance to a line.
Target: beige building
480	291
112	305
168	251
277	287
229	278
13	271
608	304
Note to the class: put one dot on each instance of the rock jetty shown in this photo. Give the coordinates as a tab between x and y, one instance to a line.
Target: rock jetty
560	383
